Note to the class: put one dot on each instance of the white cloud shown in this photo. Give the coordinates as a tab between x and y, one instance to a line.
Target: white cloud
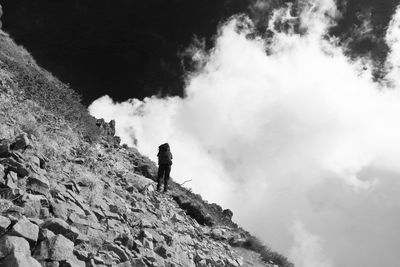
307	249
302	134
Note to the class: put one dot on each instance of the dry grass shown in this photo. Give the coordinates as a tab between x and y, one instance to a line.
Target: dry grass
93	192
21	74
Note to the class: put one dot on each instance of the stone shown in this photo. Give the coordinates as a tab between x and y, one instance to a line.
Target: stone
227	213
144	223
148	244
33	204
5	150
177	218
73	186
137	244
119	251
72	262
45	234
10	244
41	252
163	252
12	176
138	263
4	224
38	184
19	260
2	173
112	223
111	215
15	166
79	201
218	234
79	160
156	236
82	238
240	261
81	255
139	182
60	248
24	228
58	226
34	160
16	211
10	183
50	263
146	234
79	221
44	213
232	263
21	142
36	221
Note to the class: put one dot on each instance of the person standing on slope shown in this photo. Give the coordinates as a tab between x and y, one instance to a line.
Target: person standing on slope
164	165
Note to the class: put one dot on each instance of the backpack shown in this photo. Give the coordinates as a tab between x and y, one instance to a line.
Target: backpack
164	154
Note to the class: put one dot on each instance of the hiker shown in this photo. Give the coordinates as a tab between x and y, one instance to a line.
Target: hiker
164	165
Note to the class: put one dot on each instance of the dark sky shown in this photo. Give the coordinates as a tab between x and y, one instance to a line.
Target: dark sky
129	48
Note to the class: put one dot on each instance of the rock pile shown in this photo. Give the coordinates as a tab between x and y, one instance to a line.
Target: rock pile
128	224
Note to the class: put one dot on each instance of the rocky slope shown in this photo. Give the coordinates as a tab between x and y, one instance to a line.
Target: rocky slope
71	199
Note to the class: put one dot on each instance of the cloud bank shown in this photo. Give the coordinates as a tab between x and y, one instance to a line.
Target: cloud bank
299	142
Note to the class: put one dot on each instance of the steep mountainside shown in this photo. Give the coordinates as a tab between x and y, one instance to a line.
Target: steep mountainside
71	195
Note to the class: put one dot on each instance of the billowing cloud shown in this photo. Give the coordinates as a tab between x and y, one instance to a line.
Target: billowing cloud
299	142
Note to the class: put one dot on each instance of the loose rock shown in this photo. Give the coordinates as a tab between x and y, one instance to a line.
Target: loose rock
24	228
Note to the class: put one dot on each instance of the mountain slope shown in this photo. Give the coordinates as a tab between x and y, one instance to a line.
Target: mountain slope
71	195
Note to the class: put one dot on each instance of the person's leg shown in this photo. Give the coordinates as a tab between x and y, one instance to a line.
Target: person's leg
166	177
160	175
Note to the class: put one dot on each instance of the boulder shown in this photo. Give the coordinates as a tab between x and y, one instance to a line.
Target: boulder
56	248
38	184
24	228
10	244
139	182
227	213
4	224
15	166
60	248
21	142
58	226
19	260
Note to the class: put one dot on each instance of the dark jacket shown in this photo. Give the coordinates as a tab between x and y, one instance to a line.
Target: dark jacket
164	154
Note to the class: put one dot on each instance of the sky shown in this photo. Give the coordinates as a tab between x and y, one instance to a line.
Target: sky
136	49
290	131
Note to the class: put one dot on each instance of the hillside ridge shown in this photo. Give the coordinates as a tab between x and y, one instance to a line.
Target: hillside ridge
72	195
